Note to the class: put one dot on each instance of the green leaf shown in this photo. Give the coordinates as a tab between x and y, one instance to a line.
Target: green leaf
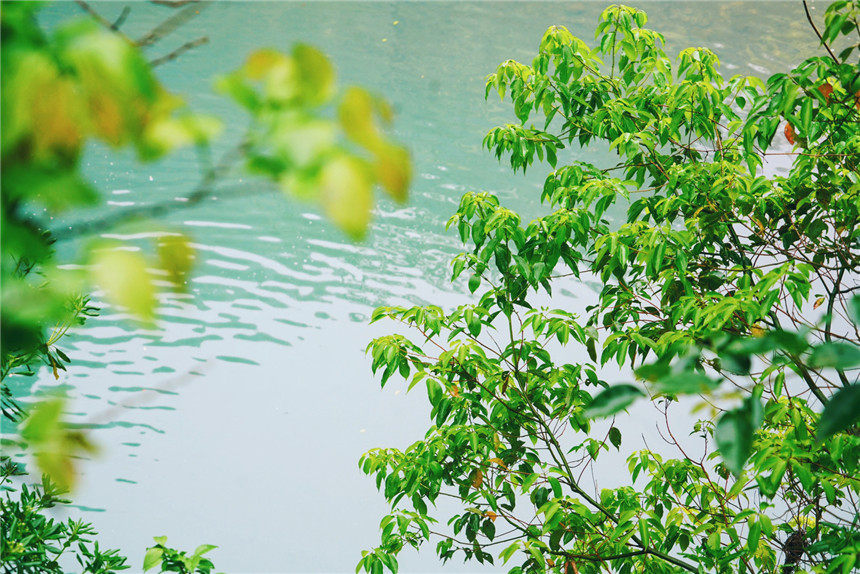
841	412
612	400
837	355
474	282
686	383
316	74
734	433
615	437
125	280
152	558
43	422
203	549
854	309
346	193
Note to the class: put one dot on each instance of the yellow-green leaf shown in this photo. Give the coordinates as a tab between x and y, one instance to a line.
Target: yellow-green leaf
346	194
356	117
176	255
394	170
125	280
316	73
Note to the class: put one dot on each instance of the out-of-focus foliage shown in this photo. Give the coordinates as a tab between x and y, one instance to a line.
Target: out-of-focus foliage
719	281
86	81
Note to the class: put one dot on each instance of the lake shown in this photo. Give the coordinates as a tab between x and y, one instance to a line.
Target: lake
240	419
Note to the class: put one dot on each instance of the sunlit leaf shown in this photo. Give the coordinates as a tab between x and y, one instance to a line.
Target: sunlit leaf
278	73
125	280
346	193
613	400
167	133
356	117
301	141
118	83
840	413
152	558
316	73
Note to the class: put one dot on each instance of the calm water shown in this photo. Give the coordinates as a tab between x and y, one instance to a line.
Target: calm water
240	419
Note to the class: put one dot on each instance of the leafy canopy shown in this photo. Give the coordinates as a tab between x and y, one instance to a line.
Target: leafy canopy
722	280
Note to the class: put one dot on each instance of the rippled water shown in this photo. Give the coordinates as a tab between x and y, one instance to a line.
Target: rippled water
239	420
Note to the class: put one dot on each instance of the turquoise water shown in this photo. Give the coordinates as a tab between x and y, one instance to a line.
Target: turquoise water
239	420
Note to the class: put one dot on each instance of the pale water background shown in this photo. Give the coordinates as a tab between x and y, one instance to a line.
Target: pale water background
240	420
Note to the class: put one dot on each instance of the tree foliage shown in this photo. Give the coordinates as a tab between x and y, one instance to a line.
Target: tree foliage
718	279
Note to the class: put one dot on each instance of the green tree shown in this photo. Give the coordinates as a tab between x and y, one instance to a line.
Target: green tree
716	280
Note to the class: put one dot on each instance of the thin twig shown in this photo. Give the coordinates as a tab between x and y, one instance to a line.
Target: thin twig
89	10
173	3
121	19
179	51
817	33
169	25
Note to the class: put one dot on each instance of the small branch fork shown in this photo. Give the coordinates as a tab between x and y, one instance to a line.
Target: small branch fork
175	21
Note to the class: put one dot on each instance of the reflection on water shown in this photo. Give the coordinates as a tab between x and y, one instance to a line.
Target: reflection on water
239	419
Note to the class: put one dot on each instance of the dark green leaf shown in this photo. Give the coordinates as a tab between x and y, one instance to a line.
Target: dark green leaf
615	437
836	355
841	412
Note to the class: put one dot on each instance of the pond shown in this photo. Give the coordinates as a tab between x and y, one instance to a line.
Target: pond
240	419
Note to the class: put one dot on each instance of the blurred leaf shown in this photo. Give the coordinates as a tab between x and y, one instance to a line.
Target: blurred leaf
346	194
235	86
56	188
735	431
125	280
836	355
735	363
54	445
317	74
612	400
854	309
176	255
44	421
278	73
356	117
654	371
116	79
167	133
686	383
840	413
394	170
301	142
